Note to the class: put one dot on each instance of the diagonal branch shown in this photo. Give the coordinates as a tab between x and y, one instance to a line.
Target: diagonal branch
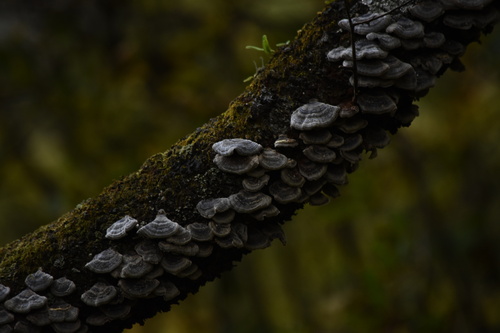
150	239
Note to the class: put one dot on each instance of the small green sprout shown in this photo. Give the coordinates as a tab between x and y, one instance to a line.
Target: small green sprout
266	48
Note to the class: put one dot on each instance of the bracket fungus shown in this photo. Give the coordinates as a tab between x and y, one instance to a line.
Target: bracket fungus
4	292
38	281
141	288
26	301
62	287
270	159
99	294
120	228
248	202
242	147
313	115
160	227
255	184
236	164
104	262
209	207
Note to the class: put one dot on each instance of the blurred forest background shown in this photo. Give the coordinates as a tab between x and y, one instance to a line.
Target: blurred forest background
90	89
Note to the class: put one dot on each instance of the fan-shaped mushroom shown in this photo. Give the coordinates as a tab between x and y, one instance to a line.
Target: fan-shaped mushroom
406	28
149	252
270	159
26	301
311	170
120	228
62	287
313	115
247	202
142	288
242	147
104	262
236	164
255	184
160	227
200	231
99	294
319	154
283	193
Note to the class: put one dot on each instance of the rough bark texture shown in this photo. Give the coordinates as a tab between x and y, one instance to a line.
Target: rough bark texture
179	178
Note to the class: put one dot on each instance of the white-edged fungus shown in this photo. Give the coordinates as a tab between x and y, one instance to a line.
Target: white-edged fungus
351	156
189	249
26	301
120	228
269	211
270	159
134	267
257	172
4	292
60	311
183	236
317	137
209	207
336	141
99	294
171	291
319	154
38	281
336	174
351	142
433	40
149	252
242	147
39	317
142	288
236	164
397	68
174	264
284	193
225	217
255	184
427	10
220	230
386	41
155	273
376	102
313	115
365	49
6	317
200	232
312	187
406	28
160	227
292	177
370	67
352	125
311	170
104	262
318	199
376	137
62	287
247	202
189	271
331	190
284	141
204	250
366	23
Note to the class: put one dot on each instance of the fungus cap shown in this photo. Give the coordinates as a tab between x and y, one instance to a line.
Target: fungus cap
116	311
292	177
406	28
352	125
369	67
247	202
183	236
313	115
336	174
104	262
236	164
284	193
120	228
242	147
62	287
209	207
317	137
142	288
311	170
386	41
26	301
99	294
149	252
160	227
174	264
6	317
190	249
352	142
318	199
270	159
220	230
434	40
427	10
60	311
134	267
4	292
38	281
200	231
224	218
366	23
319	154
284	141
264	213
376	103
255	184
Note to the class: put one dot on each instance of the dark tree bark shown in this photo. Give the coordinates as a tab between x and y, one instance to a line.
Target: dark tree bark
177	180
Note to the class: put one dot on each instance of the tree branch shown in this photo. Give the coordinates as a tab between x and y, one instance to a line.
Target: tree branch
308	79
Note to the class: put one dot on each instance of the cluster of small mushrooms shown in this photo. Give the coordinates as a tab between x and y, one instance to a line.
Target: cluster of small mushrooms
394	55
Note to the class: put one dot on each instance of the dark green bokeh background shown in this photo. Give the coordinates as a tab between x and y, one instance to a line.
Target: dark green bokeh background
90	89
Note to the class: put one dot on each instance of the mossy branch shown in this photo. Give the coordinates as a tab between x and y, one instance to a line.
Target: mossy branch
179	178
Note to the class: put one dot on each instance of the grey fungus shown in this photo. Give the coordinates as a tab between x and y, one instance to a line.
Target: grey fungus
242	147
336	141
366	23
160	227
269	211
155	273
67	327
220	230
98	319
397	68
274	231
149	252
371	67
284	193
257	240
376	137
319	154
270	159
236	164
61	311
116	311
336	174
170	290
183	236
209	207
317	137
39	317
134	267
225	217
469	4
352	125
142	288
204	250
6	329
248	202
311	170
99	294
26	301
62	287
313	115
4	292
292	177
427	11
331	190
104	262
376	103
406	28
25	327
38	281
6	317
352	142
257	172
386	41
174	264
120	228
318	199
284	141
190	249
255	184
365	49
200	232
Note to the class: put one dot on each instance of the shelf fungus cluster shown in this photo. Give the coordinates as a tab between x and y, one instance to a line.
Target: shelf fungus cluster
396	57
